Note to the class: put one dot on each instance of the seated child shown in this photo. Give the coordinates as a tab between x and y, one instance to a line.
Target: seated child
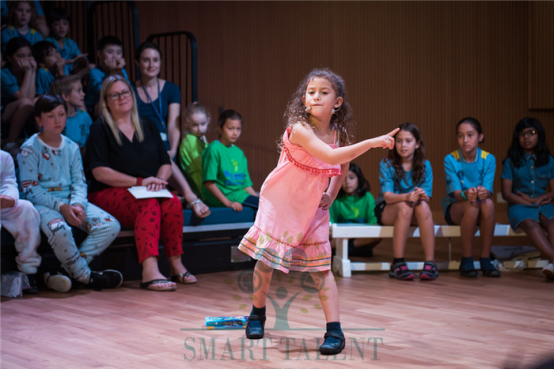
59	22
225	169
52	178
528	186
50	65
18	91
355	204
20	15
110	62
78	123
197	119
406	180
21	220
469	175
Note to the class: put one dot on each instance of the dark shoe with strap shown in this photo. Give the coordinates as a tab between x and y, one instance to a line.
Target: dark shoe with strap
430	271
255	327
334	343
400	271
107	279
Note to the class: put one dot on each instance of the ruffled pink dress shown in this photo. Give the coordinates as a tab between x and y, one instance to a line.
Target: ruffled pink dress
291	231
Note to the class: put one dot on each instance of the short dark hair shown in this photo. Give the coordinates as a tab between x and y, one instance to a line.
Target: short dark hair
228	114
58	14
144	46
47	103
15	44
107	41
41	49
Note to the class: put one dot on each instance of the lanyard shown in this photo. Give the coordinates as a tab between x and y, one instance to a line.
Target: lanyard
158	113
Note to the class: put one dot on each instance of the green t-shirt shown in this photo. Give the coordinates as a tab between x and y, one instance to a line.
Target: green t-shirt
227	166
190	161
354	209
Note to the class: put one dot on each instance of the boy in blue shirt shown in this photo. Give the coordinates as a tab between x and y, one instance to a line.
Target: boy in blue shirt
50	65
78	123
59	22
110	62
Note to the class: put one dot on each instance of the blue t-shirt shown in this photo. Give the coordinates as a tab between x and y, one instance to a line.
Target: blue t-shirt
70	49
529	179
45	78
32	35
95	80
9	86
170	94
77	128
462	175
389	181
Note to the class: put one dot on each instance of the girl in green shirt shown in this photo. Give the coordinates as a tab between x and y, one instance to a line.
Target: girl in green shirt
225	169
355	204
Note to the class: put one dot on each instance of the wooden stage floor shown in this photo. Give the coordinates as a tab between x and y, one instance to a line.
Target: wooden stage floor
448	323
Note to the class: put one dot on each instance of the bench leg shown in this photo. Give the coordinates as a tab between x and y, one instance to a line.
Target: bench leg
341	263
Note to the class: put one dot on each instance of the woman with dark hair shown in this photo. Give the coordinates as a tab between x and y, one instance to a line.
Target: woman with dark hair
406	181
355	204
124	151
160	101
527	174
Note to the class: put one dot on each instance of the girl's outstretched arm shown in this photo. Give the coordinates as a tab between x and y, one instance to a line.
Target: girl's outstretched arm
307	139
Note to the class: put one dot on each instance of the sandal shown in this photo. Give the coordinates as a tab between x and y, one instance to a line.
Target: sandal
197	207
429	272
150	285
186	278
331	346
400	271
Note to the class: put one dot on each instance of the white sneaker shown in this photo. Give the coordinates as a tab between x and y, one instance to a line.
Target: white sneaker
59	283
548	271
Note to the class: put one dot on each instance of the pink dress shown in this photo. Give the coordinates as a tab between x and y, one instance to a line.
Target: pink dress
291	231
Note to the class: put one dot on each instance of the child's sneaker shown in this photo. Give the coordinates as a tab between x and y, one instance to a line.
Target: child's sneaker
548	271
488	268
107	279
58	282
430	271
32	289
400	271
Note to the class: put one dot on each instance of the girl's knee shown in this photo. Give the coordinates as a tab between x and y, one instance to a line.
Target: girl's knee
487	207
404	210
530	225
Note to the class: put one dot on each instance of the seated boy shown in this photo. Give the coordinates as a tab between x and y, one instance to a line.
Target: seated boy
50	65
52	178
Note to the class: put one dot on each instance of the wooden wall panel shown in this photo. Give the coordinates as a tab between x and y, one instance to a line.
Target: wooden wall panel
430	63
541	55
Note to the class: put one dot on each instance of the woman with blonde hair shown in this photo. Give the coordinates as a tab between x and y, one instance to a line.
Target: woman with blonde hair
126	151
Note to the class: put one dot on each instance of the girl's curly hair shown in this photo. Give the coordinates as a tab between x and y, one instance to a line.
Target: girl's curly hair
342	119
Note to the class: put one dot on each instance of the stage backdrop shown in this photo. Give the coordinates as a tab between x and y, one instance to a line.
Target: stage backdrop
430	63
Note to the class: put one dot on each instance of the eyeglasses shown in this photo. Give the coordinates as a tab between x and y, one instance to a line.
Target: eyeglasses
530	133
124	94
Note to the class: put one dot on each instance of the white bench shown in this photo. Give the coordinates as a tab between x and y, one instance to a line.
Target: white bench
343	232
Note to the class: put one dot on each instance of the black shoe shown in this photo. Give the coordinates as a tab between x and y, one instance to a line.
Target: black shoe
334	343
32	289
107	279
255	327
491	272
472	273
